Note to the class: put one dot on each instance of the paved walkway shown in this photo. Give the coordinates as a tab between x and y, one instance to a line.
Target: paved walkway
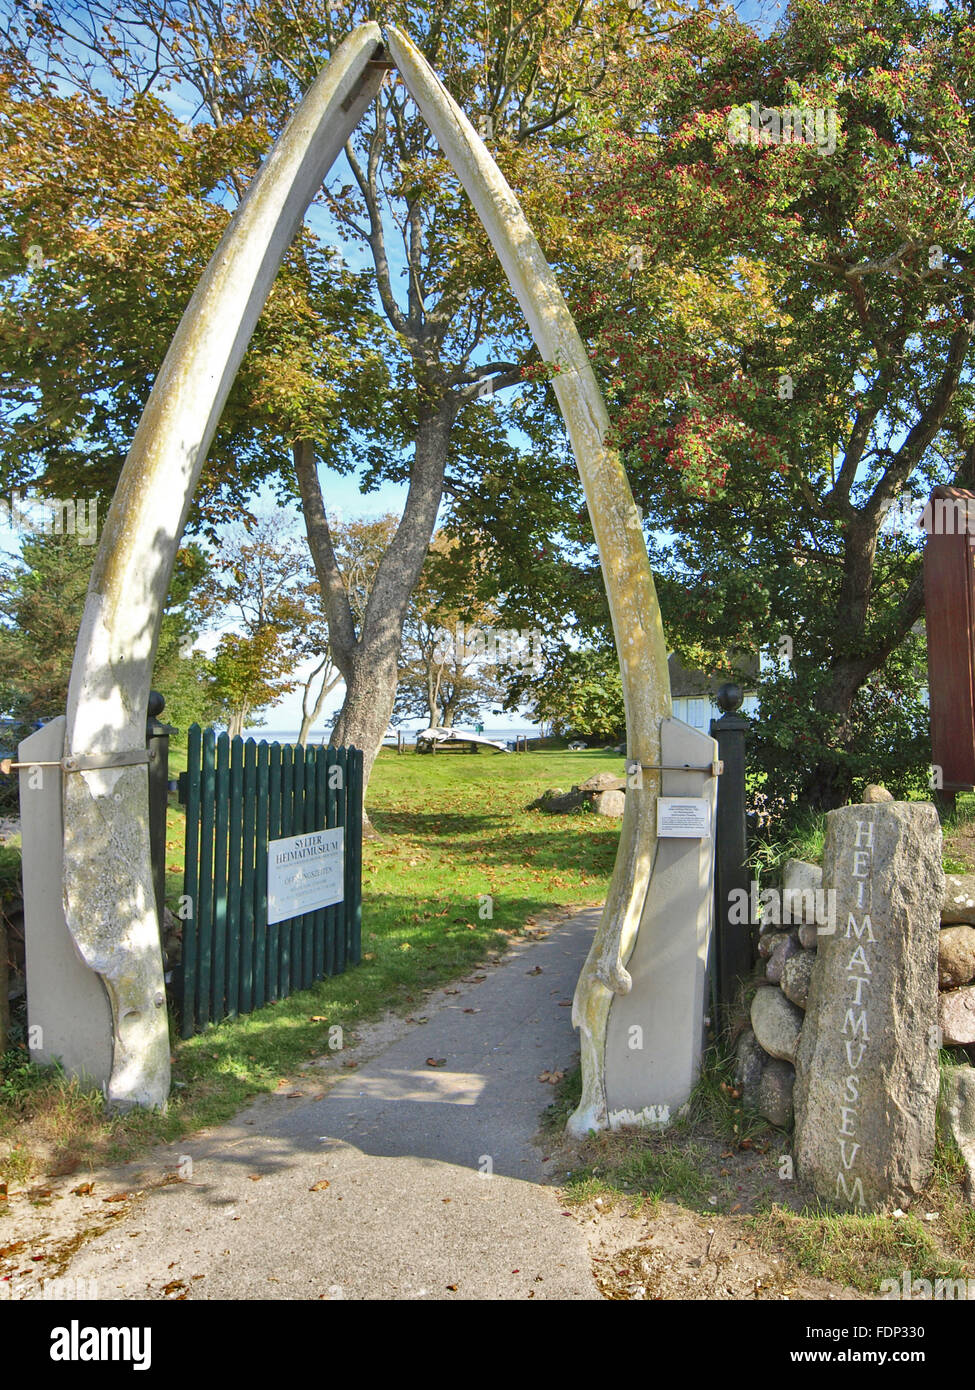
433	1181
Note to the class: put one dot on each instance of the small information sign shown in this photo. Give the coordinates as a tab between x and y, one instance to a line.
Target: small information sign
684	817
304	873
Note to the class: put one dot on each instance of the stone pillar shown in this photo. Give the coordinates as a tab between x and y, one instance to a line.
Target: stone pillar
68	1012
867	1063
656	1031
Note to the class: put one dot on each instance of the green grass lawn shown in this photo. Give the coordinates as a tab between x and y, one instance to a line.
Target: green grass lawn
459	867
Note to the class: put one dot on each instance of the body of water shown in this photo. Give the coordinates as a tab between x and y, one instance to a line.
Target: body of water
409	735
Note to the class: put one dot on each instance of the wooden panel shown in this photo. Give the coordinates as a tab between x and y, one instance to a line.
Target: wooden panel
949	600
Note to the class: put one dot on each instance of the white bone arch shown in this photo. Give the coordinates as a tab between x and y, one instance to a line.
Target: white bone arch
109	902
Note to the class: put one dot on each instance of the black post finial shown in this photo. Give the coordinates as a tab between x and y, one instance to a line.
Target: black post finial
729	697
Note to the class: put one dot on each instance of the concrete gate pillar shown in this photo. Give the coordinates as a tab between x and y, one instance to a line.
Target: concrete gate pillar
68	1012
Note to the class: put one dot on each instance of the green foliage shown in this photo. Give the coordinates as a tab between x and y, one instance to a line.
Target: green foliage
884	738
786	340
576	692
42	595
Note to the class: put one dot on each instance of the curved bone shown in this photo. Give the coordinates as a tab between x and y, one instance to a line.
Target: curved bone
109	901
111	912
622	552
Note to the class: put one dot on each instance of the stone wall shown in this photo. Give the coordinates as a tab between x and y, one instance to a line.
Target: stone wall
767	1050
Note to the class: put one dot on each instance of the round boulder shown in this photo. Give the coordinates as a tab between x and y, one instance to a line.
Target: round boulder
602	782
750	1060
956	956
609	803
768	941
956	1015
784	950
774	1098
777	1023
874	793
959	904
796	974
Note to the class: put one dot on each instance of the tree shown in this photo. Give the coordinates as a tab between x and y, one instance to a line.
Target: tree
818	305
454	328
42	594
449	663
576	691
112	208
260	579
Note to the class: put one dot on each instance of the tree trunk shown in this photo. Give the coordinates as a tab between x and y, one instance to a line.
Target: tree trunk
830	781
308	717
368	660
237	722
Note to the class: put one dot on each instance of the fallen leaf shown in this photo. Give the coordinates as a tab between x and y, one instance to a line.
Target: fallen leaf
349	1063
83	1190
452	1287
537	971
293	1094
472	1011
320	1186
318	1018
436	1061
118	1197
254	1177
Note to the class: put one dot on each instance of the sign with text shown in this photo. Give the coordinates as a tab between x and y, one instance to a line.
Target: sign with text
305	873
683	817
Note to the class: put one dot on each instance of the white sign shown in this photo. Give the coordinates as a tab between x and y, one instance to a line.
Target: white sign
304	873
684	817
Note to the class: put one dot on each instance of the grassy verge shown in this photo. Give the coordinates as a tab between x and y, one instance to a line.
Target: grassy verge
459	869
723	1162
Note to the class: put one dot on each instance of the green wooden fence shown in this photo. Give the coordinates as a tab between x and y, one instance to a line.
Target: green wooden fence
239	796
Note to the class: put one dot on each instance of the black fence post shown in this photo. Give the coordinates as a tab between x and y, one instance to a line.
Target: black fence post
157	742
731	872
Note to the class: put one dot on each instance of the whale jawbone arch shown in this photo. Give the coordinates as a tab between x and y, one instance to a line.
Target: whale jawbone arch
111	913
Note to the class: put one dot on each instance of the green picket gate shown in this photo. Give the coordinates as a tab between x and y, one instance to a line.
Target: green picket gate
240	794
